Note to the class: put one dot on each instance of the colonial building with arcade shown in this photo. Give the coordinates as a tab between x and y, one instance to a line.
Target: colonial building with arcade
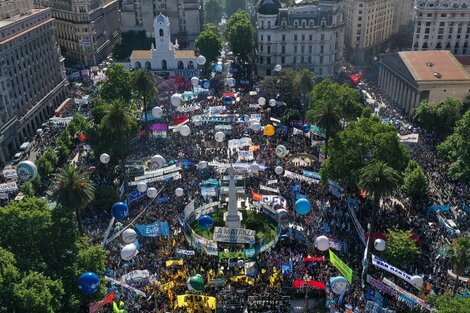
164	58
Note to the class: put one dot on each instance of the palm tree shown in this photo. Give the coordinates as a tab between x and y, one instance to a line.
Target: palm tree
377	179
326	115
118	117
460	257
74	190
143	83
304	82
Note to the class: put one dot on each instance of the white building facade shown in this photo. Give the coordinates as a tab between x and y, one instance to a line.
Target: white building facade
442	25
164	56
305	36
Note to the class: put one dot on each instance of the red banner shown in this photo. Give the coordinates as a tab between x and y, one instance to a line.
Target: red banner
314	259
297	284
180	119
96	306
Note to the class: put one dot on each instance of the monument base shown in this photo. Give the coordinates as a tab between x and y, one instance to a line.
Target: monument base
233	221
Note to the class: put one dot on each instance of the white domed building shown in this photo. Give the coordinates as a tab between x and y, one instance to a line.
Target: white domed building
164	58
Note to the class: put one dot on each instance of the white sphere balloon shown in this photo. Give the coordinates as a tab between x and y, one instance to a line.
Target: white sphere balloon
417	281
219	136
141	186
201	60
179	192
256	127
26	170
278	68
157	112
231	82
202	165
158	161
194	81
176	100
185	130
129	251
254	167
104	158
129	235
152	192
322	243
278	170
262	101
272	103
379	244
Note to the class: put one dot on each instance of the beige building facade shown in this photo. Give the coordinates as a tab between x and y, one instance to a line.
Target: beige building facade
86	30
32	80
409	77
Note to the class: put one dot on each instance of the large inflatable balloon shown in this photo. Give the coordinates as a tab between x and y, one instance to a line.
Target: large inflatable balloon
379	244
179	192
201	60
129	251
88	283
231	82
206	222
219	136
196	283
228	100
141	186
269	130
322	243
194	81
278	170
339	284
157	112
281	151
206	83
129	236
185	130
202	165
278	68
254	167
272	103
152	192
158	161
26	170
120	210
302	206
176	99
104	158
417	281
256	126
262	101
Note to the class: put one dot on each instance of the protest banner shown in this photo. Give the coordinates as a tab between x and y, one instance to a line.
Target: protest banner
266	188
272	181
357	225
117	282
391	269
240	143
293	175
372	307
245	156
342	267
96	306
9	187
274	200
234	235
153	230
232	255
381	286
169	263
406	296
195	301
136	276
185	252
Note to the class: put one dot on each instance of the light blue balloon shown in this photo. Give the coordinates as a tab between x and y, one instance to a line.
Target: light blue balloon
302	206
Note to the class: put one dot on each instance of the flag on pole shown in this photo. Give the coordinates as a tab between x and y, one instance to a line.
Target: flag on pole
96	306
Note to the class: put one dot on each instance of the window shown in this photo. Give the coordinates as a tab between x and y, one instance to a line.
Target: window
260	60
268	60
261	48
161	32
310	37
322	49
283	37
303	37
295	37
295	49
294	60
164	65
269	38
283	49
262	37
180	65
322	37
321	59
302	49
283	60
269	49
310	48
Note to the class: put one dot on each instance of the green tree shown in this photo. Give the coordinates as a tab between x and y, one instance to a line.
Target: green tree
131	40
117	84
37	293
447	303
143	83
378	180
232	6
280	87
27	189
209	45
118	118
9	275
239	33
304	82
439	118
460	257
401	250
99	110
415	181
213	10
74	190
290	115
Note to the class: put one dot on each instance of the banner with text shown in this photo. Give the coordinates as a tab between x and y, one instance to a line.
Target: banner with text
234	235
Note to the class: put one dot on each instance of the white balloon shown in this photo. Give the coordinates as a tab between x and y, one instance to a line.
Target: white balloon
158	161
104	158
231	82
152	192
254	167
251	121
185	130
201	60
262	101
272	103
417	281
219	136
202	165
141	186
157	112
179	192
256	127
176	99
278	170
379	244
129	251
129	235
322	243
194	81
278	68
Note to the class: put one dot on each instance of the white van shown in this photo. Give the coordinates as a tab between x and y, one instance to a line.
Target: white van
25	147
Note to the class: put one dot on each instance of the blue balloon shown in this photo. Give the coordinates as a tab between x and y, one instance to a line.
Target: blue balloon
120	210
228	100
306	128
89	283
302	206
206	222
206	83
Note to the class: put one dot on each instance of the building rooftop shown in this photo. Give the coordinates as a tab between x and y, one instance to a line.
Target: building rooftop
19	17
147	54
434	65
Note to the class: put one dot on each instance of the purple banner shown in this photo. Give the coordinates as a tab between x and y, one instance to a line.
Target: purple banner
158	127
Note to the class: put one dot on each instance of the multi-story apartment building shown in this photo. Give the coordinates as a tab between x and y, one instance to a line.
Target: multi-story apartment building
185	18
85	29
304	36
442	25
32	74
370	23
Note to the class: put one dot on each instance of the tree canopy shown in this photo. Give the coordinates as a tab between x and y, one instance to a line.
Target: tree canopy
447	303
209	44
240	35
415	181
213	10
441	117
400	250
117	85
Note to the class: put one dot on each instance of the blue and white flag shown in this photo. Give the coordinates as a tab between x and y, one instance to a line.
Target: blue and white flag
153	230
